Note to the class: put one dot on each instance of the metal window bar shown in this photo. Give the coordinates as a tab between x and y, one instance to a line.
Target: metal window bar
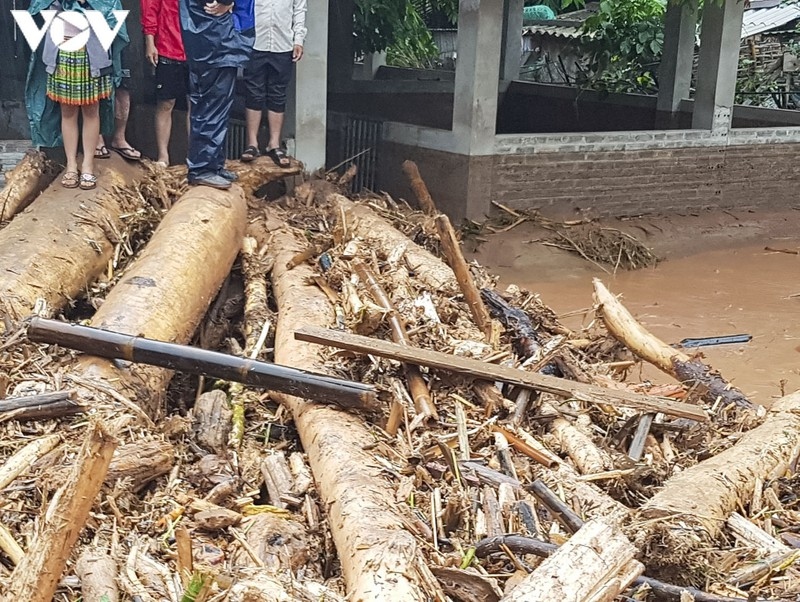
360	141
235	140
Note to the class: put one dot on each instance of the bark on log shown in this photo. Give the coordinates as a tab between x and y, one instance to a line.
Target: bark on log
595	564
624	327
380	560
25	182
63	243
98	574
166	291
139	463
36	578
693	505
40	407
211	421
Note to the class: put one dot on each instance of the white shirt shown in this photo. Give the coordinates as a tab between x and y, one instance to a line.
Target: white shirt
280	24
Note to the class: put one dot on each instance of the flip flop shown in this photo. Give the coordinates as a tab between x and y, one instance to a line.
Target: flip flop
278	156
249	154
70	179
88	181
127	153
101	152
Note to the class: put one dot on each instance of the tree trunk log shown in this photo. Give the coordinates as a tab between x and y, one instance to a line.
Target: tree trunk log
98	574
419	187
36	578
53	251
166	291
596	564
693	505
139	463
380	560
629	332
25	182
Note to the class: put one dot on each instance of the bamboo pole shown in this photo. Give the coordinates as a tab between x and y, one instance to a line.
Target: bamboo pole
380	560
36	577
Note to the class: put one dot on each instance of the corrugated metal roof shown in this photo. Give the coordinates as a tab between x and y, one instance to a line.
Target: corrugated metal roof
553	28
765	19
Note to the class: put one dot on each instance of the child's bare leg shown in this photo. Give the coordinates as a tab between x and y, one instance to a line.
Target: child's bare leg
69	131
91	130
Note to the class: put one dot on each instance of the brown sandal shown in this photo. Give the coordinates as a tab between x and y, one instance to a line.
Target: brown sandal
88	181
70	179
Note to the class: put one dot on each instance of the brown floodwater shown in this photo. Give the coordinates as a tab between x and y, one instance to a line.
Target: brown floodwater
745	290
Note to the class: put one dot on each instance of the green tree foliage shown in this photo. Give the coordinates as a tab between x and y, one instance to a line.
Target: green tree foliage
623	43
399	27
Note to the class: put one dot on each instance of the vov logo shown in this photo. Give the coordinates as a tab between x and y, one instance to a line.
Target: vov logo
84	21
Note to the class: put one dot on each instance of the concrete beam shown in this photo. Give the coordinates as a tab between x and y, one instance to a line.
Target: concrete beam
720	38
480	25
311	91
675	71
511	51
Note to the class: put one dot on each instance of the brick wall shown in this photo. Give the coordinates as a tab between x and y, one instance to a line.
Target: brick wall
630	182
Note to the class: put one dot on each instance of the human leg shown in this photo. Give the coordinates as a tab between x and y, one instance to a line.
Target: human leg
255	89
70	134
164	128
279	76
91	130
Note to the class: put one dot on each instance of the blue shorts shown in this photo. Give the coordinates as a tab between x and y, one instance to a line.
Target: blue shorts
266	77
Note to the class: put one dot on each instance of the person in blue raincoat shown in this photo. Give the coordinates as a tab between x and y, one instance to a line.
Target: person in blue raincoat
215	49
43	113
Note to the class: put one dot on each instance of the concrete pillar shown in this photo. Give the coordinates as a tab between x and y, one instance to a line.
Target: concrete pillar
511	51
372	62
720	38
675	71
311	90
480	26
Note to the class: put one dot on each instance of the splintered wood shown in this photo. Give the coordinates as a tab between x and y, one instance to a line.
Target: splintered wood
493	453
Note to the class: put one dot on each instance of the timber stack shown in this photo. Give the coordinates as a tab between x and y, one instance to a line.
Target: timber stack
319	398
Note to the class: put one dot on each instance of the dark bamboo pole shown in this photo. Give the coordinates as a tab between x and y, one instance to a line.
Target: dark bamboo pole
40	407
282	379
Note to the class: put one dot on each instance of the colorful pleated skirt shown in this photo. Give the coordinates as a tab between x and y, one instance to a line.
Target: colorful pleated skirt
72	82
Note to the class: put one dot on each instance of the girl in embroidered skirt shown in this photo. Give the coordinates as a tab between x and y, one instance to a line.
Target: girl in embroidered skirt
77	85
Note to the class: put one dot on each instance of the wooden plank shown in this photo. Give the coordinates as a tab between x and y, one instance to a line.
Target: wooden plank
493	372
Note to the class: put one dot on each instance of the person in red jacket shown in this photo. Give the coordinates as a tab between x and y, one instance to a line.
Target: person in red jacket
164	49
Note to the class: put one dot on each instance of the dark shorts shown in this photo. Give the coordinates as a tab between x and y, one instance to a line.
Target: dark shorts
125	66
266	77
172	79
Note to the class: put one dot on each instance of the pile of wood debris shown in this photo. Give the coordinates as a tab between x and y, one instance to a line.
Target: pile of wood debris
469	447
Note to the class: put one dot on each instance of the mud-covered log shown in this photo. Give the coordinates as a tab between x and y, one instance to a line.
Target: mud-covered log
625	328
596	564
36	577
63	243
166	291
692	507
25	182
136	464
380	560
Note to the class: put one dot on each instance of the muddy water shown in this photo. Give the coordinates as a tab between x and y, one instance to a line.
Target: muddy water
719	292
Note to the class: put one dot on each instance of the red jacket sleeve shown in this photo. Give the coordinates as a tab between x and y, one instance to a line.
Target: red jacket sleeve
150	16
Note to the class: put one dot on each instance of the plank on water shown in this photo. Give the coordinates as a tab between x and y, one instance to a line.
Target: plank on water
487	371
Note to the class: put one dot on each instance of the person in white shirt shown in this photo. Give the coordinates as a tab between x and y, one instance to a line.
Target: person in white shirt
280	30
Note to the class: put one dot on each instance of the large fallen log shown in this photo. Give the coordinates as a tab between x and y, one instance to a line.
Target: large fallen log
36	577
166	291
596	564
25	182
63	243
692	507
637	338
380	560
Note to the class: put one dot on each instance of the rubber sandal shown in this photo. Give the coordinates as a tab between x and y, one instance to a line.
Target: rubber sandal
70	179
278	155
127	153
249	154
88	181
101	152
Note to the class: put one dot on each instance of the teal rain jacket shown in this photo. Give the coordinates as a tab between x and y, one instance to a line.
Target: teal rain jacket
44	114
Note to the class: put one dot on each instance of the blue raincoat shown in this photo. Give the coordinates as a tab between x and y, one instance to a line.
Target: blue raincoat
215	49
44	114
